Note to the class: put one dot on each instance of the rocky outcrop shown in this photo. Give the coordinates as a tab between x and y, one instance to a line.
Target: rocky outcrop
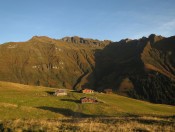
79	40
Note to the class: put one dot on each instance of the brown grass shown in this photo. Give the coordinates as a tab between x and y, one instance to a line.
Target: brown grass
124	124
163	71
8	105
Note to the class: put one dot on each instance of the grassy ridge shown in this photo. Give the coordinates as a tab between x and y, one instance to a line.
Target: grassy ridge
39	103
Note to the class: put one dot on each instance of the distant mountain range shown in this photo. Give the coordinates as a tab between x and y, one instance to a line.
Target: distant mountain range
142	69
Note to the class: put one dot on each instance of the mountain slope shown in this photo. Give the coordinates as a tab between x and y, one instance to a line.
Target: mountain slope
39	102
44	61
142	69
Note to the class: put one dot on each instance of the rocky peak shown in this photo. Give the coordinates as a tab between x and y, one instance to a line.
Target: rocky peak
125	40
154	38
79	40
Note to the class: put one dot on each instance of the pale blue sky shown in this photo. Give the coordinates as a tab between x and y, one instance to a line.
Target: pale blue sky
98	19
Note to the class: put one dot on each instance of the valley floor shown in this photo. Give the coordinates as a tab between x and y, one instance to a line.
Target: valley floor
31	108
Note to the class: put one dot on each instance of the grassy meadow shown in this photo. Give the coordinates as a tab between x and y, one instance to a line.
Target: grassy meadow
34	108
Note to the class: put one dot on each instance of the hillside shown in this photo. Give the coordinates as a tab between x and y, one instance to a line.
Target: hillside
45	61
34	108
40	103
142	69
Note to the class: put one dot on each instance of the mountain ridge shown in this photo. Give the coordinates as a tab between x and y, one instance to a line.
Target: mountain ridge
140	68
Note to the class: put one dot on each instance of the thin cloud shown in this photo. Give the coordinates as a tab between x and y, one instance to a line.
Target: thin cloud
170	25
168	28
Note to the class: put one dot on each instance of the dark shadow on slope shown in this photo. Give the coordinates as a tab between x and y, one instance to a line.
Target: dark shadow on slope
71	100
78	91
168	117
130	115
115	62
139	119
156	122
1	127
50	92
91	83
123	60
63	111
79	80
69	113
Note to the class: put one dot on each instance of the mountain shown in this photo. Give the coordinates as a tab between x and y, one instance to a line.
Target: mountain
79	40
142	69
45	61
